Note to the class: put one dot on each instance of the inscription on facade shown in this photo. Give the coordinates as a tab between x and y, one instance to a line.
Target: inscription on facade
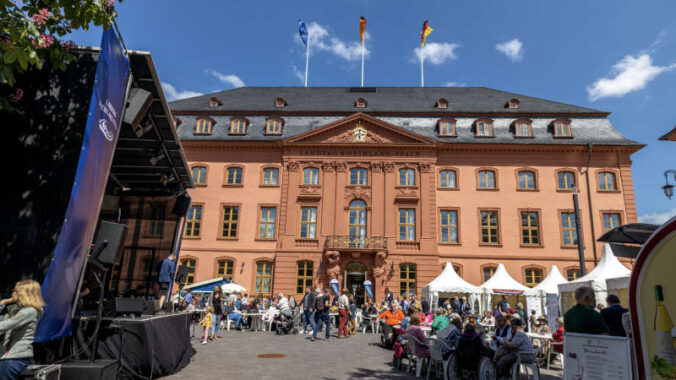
357	153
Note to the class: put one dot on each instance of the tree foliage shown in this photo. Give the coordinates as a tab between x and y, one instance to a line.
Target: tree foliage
31	31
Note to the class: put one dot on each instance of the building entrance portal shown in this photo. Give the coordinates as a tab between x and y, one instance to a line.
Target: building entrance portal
355	275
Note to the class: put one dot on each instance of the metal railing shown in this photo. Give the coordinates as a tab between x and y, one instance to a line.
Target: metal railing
338	242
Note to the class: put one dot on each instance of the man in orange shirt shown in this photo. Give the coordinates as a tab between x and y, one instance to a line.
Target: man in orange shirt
393	316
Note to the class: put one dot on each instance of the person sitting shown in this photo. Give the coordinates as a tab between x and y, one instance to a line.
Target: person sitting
543	326
477	327
422	350
488	319
234	315
284	307
449	335
391	317
558	335
440	321
469	351
17	328
502	331
519	345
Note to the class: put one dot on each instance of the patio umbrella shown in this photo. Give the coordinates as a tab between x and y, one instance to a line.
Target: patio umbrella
232	288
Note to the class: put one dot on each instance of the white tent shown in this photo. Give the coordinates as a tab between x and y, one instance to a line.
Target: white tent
608	267
550	285
547	293
502	283
449	282
619	286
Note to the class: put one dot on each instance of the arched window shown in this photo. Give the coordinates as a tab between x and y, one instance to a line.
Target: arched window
273	126
457	269
566	180
270	176
522	128
304	276
360	103
607	181
488	272
573	274
407	277
225	268
562	128
611	220
447	179
263	279
238	126
233	175
533	276
446	127
486	179
203	126
193	221
199	175
406	177
191	264
310	176
358	177
357	223
484	128
527	180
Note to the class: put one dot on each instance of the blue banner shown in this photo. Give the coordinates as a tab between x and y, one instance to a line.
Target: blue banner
98	145
369	289
336	286
302	31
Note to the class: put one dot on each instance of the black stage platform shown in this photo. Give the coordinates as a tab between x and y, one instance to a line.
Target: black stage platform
153	346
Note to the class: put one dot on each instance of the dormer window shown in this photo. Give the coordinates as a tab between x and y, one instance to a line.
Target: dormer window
441	103
523	128
446	127
483	128
562	128
204	125
512	103
280	103
214	102
360	103
273	126
238	126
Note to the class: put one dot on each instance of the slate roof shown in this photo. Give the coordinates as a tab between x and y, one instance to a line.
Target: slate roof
384	99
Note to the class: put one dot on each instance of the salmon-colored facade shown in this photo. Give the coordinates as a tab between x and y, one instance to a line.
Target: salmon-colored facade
360	198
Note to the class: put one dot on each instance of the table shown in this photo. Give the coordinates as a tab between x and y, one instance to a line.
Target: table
544	339
256	321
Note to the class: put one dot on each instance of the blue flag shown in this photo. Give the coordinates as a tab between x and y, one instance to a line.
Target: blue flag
302	30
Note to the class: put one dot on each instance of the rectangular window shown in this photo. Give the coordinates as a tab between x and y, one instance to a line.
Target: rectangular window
573	274
533	277
266	229
233	176
263	277
406	177
310	176
607	181
308	222
562	129
566	180
190	263
203	127
530	228
610	221
489	227
156	222
447	179
486	179
526	180
407	224
225	268
407	277
358	177
449	226
274	127
193	221
568	229
488	272
304	276
483	129
446	128
523	130
237	127
230	222
270	176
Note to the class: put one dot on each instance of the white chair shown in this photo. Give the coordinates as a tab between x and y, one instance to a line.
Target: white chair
411	342
551	352
227	322
534	369
436	356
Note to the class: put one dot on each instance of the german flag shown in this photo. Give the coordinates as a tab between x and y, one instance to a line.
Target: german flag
426	30
362	28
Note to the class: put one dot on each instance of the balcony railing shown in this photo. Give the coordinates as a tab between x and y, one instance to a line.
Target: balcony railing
339	242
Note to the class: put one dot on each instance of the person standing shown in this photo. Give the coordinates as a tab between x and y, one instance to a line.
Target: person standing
207	322
322	305
521	312
343	312
389	296
165	275
503	305
308	304
582	318
612	315
217	304
425	305
17	328
353	316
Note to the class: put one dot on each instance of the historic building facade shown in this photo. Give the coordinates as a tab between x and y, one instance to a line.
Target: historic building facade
298	186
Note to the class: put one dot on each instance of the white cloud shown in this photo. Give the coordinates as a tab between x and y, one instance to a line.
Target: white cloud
232	80
657	218
171	93
454	84
513	49
631	73
436	53
300	75
322	40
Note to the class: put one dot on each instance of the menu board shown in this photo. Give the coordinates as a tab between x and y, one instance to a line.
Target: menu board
596	357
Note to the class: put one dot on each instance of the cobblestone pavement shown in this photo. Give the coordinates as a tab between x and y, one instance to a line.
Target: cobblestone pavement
234	356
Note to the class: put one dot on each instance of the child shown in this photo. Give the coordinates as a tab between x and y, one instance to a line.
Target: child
206	323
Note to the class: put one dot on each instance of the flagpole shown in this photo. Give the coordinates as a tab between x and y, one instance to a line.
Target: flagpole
307	57
422	60
362	64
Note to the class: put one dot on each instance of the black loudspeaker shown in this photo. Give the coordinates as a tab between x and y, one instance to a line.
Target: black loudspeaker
138	104
182	204
129	306
182	274
150	306
108	243
101	369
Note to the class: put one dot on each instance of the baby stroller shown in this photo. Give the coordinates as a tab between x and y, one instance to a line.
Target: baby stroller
388	335
398	347
472	360
290	325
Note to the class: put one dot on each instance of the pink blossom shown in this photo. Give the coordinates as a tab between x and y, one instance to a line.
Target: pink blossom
111	3
67	44
41	17
43	41
16	96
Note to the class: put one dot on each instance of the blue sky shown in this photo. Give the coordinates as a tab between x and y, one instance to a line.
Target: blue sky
616	56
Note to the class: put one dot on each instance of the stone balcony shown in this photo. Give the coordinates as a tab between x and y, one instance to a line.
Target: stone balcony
351	243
